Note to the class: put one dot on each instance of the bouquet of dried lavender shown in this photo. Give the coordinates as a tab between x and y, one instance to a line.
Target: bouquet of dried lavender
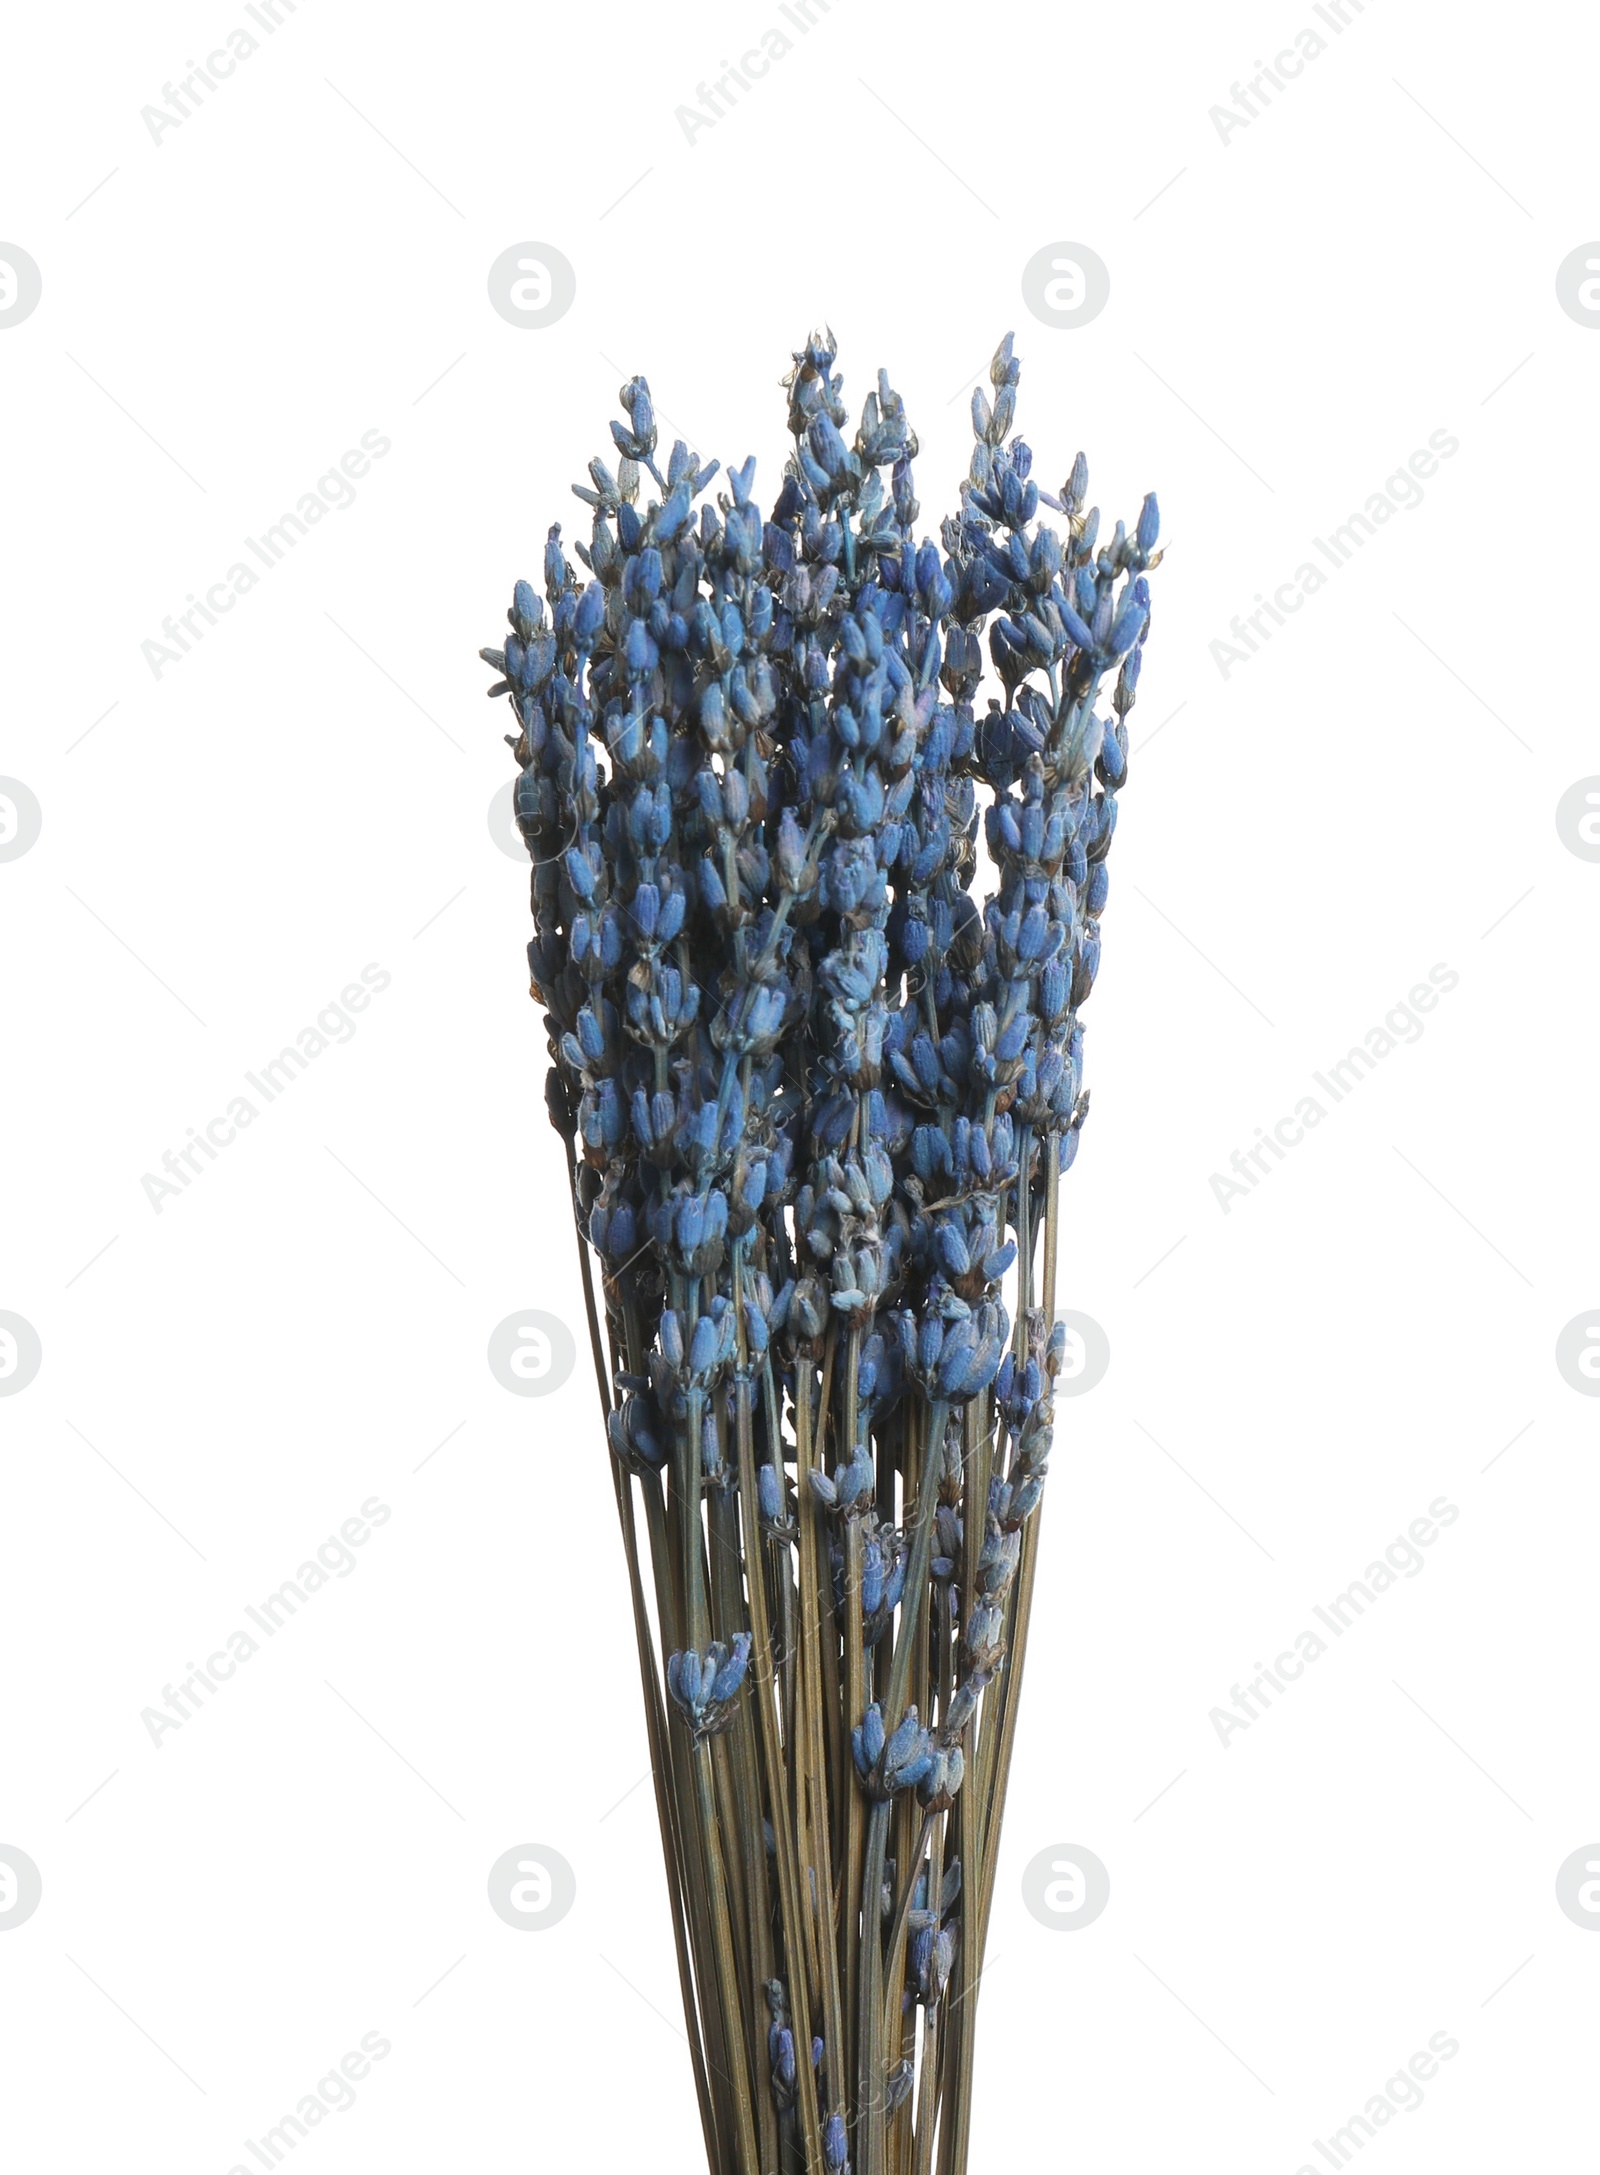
816	1101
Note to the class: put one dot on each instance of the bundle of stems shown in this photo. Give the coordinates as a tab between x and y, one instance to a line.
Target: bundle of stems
816	1102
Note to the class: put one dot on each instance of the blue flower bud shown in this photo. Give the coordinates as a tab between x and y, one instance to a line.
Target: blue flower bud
871	1578
1125	631
730	1675
872	1735
579	873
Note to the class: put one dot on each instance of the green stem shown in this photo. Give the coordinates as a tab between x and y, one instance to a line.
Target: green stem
872	2075
927	2094
811	1768
727	1967
917	1572
907	1879
789	1901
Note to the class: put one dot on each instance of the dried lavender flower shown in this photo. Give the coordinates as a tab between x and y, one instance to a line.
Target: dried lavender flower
817	1089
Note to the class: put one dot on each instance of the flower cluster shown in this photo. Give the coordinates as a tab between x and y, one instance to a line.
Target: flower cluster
813	935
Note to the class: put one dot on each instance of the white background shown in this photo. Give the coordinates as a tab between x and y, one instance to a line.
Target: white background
224	847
